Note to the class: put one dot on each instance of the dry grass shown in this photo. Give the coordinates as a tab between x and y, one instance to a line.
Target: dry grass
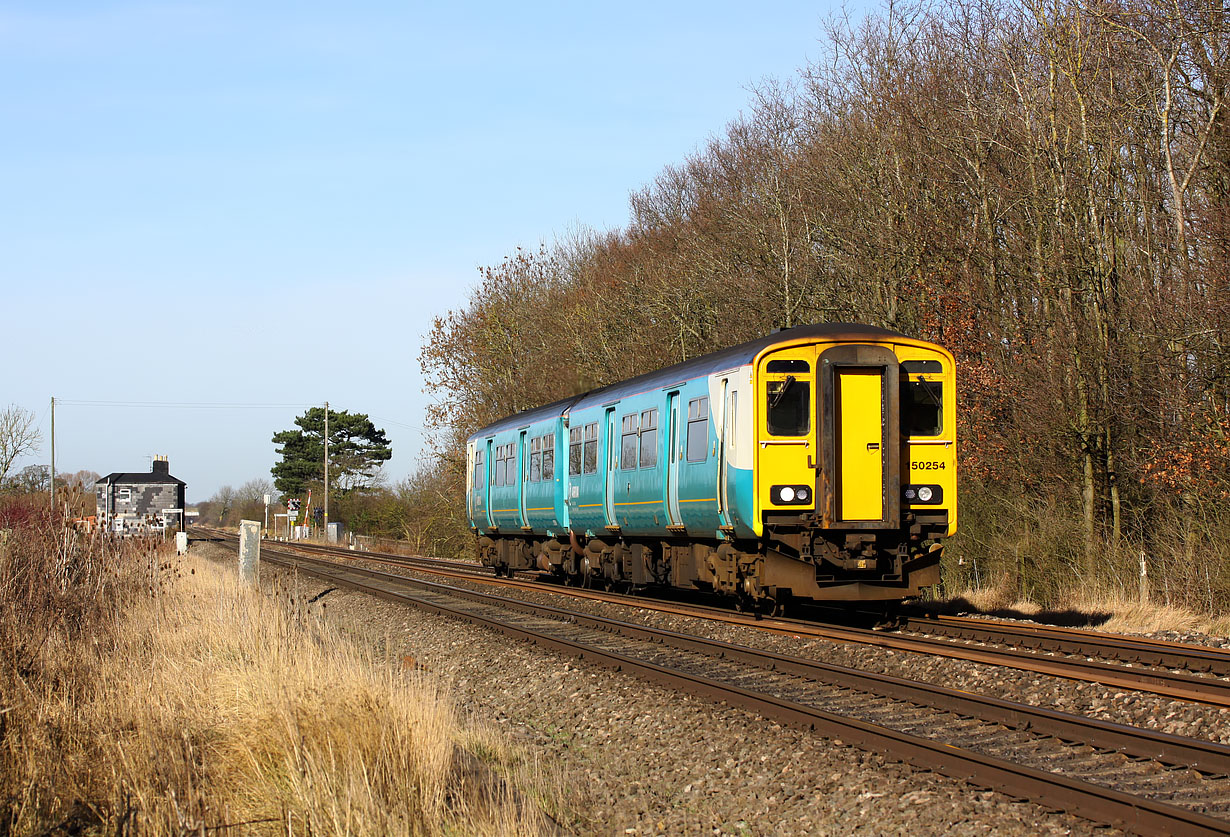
201	705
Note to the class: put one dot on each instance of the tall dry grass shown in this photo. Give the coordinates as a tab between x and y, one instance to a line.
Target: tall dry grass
164	699
1020	555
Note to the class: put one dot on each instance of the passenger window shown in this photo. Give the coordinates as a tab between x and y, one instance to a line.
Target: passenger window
788	406
535	474
627	453
698	429
478	469
922	400
590	461
649	439
548	458
574	451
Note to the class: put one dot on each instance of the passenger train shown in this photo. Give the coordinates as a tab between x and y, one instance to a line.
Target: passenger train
818	462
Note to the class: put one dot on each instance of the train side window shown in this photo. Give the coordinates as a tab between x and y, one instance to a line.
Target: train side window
590	459
649	438
511	477
574	451
627	452
535	474
548	458
922	402
698	429
788	405
497	467
478	469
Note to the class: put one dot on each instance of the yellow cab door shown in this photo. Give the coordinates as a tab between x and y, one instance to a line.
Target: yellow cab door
860	434
860	446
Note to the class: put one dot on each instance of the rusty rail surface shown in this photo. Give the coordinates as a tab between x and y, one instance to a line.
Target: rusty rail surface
1085	799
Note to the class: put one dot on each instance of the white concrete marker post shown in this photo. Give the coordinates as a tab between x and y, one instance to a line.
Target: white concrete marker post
181	543
249	552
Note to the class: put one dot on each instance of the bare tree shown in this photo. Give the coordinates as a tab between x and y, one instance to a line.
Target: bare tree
18	437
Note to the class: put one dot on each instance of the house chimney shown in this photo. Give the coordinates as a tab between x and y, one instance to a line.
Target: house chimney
160	465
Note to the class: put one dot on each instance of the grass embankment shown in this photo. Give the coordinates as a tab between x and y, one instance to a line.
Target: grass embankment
145	694
1105	612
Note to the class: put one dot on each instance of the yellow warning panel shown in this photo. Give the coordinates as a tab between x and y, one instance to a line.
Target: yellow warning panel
860	426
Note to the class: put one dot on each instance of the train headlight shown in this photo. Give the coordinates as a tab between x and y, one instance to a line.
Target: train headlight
790	495
930	495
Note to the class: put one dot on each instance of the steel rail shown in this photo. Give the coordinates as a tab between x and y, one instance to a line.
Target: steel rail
1085	799
1206	756
1178	686
1142	650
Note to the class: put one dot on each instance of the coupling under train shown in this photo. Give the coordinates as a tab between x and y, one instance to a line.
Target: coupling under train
818	462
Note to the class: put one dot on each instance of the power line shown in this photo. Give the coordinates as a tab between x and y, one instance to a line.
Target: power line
192	405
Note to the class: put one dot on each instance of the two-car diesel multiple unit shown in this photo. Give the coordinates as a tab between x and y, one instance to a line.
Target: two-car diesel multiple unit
818	462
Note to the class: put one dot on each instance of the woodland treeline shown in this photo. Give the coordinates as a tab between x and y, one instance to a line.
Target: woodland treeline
1042	187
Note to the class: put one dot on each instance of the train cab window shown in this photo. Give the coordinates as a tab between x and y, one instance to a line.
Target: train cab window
788	366
698	429
590	458
788	401
649	438
574	451
548	458
535	474
628	431
922	399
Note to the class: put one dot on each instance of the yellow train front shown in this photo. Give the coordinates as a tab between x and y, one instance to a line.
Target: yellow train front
855	462
818	462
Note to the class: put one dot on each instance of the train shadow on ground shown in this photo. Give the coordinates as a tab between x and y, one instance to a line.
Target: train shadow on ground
1065	618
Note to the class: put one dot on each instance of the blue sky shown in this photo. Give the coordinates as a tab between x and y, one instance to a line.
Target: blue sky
267	203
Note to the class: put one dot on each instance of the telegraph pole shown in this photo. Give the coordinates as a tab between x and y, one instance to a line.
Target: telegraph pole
53	454
326	470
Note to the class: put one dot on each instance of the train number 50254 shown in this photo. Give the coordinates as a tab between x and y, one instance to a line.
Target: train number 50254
928	466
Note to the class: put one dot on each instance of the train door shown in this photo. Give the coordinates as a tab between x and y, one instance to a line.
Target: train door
722	424
612	467
673	453
861	420
861	443
522	473
486	487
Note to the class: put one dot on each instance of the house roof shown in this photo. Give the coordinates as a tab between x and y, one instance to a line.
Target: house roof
143	478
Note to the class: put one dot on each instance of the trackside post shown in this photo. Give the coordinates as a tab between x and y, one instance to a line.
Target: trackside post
249	552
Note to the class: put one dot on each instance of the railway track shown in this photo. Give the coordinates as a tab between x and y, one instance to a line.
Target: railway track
1172	670
1137	779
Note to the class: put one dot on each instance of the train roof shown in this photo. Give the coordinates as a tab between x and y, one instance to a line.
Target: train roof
733	356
